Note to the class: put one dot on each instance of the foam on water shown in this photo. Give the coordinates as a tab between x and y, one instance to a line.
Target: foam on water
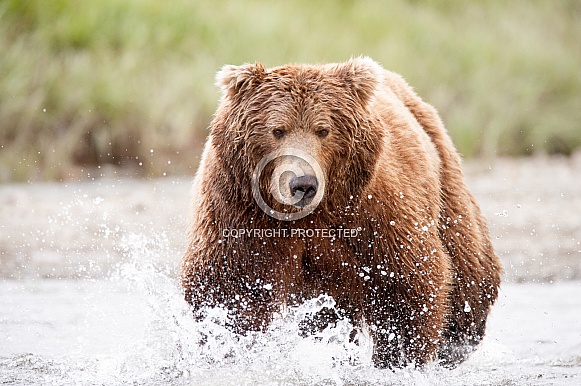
136	328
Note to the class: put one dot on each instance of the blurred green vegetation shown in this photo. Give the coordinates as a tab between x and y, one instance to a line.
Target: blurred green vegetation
130	82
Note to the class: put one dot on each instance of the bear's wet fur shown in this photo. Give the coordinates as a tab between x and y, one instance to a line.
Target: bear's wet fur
421	272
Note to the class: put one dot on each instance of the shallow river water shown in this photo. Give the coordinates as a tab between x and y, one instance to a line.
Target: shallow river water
138	331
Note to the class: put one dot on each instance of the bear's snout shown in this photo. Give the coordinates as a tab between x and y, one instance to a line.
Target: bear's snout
306	185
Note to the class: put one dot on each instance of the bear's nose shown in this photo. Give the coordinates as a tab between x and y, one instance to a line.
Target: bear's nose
306	184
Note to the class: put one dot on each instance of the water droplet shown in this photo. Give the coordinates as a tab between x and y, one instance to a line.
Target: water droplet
467	307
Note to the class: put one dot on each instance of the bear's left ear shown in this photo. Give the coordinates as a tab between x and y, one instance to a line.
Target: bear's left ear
237	79
362	74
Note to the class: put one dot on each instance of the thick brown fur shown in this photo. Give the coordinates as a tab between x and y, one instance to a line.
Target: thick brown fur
421	272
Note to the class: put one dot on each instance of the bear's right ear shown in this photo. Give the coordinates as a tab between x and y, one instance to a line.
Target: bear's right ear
233	80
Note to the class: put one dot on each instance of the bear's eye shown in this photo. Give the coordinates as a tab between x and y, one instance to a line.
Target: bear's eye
322	133
278	133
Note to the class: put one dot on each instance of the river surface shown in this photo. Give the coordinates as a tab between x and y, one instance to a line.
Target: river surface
137	330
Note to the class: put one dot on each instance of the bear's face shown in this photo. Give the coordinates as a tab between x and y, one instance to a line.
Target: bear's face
301	135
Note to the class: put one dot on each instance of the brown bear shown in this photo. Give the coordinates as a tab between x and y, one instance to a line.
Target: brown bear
338	179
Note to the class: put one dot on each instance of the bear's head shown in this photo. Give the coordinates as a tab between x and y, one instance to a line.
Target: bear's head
297	137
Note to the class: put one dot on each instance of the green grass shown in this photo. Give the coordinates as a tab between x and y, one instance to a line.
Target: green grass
130	82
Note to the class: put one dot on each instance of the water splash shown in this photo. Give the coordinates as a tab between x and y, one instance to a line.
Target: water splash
176	348
135	328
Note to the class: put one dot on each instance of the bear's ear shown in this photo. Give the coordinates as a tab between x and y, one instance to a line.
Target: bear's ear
236	79
362	74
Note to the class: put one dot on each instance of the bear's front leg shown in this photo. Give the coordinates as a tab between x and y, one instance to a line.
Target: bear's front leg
249	304
406	320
